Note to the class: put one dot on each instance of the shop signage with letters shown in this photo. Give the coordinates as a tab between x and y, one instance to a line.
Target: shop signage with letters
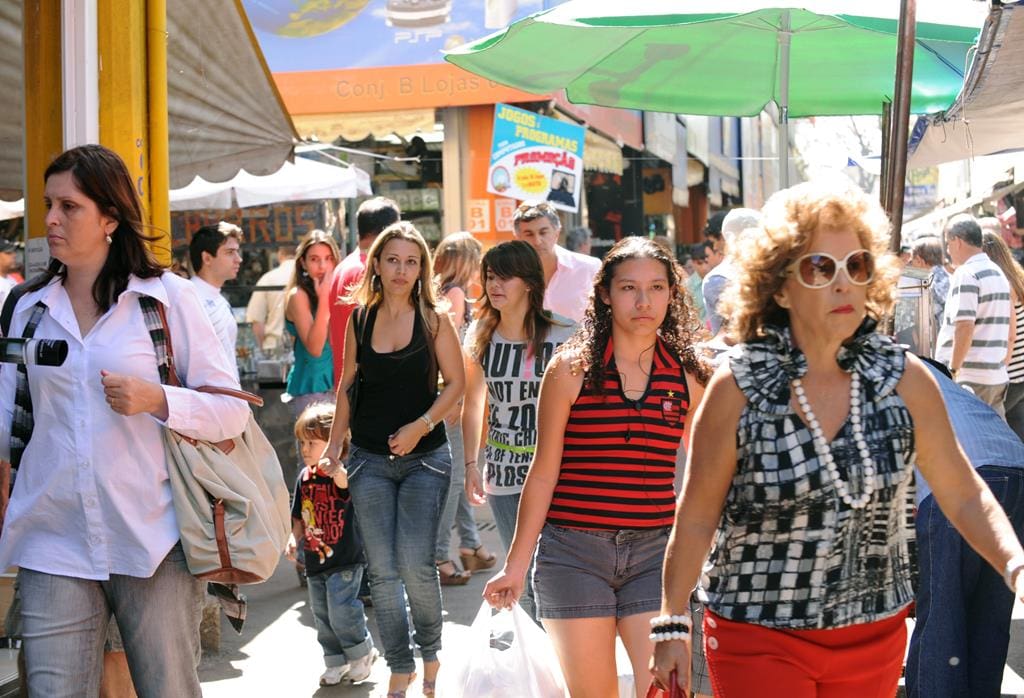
536	157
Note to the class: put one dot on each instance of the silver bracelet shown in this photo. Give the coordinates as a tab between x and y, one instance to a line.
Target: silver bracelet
1013	566
428	421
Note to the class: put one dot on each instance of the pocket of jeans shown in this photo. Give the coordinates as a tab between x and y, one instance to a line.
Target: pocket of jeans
356	461
441	465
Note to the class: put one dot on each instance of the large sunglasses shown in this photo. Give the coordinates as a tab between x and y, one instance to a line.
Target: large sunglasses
819	269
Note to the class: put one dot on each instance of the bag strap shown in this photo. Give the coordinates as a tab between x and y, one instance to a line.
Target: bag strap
23	422
155	315
359	318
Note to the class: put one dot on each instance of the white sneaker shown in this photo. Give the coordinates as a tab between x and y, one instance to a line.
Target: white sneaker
359	669
333	675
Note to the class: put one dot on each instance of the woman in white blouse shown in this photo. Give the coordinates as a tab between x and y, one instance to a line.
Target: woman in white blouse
90	522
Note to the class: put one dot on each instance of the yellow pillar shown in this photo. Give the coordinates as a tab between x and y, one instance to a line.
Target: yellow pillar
44	120
132	43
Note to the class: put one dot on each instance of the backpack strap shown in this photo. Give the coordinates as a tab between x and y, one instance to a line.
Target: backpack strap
23	422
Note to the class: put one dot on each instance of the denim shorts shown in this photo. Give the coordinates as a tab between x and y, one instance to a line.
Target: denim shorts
591	573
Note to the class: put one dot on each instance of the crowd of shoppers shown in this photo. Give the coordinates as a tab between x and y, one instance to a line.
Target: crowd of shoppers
560	390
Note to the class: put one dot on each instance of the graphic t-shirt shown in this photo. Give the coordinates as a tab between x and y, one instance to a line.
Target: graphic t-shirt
513	378
331	541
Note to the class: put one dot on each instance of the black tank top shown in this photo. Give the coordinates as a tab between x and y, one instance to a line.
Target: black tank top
397	387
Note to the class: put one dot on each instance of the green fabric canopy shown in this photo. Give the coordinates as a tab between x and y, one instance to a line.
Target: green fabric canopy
727	57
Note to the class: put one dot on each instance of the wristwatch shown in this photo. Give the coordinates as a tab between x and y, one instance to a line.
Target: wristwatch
1013	566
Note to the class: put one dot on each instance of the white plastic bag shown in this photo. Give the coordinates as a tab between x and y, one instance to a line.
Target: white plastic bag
506	656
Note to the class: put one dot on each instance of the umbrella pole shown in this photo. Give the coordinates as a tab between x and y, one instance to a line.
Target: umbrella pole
785	37
901	117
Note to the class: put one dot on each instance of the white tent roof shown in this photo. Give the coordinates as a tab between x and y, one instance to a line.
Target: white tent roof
303	180
224	112
988	116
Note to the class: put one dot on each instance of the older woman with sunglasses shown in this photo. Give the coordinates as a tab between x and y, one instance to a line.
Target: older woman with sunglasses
813	500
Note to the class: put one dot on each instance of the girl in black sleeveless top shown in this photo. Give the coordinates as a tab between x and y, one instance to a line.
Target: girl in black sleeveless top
399	468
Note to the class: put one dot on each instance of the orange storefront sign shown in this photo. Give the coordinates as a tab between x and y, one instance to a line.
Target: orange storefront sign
390	88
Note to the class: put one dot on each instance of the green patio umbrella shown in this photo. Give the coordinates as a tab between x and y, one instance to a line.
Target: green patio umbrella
731	57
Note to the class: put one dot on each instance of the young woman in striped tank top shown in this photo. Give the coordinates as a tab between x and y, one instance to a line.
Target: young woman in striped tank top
999	252
614	406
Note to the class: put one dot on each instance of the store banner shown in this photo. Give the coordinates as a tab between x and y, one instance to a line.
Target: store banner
536	157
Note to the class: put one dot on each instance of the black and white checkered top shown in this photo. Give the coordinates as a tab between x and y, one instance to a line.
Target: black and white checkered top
790	553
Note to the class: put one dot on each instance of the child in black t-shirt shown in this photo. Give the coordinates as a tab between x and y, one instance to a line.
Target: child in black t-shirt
322	519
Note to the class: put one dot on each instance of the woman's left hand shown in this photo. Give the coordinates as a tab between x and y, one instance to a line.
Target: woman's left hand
128	395
405	439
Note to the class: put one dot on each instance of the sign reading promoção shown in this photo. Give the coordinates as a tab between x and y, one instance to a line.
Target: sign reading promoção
536	157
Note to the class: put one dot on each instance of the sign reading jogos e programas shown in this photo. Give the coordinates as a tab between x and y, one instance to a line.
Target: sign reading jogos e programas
535	157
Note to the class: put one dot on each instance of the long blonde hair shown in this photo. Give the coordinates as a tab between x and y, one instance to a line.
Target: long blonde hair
456	258
370	292
999	252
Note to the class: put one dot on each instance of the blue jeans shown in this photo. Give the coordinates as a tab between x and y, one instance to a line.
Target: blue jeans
64	624
960	641
398	501
457	509
338	613
505	508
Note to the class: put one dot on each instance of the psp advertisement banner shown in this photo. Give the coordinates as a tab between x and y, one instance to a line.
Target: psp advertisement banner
536	157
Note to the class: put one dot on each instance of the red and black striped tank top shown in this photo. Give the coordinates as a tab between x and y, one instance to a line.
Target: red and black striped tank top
619	457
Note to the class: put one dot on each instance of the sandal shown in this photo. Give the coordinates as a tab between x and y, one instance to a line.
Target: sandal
456	578
475	561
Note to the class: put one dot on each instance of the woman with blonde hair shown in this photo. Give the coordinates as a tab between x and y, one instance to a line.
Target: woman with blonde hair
999	252
813	500
456	267
398	339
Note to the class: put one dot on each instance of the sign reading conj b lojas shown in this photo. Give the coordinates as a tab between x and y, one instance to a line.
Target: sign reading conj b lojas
536	157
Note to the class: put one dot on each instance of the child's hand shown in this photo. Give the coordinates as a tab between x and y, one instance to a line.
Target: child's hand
290	548
329	467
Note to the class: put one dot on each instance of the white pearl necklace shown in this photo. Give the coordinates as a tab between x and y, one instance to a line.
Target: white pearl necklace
825	454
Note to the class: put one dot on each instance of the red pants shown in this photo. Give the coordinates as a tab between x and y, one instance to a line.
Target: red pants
752	661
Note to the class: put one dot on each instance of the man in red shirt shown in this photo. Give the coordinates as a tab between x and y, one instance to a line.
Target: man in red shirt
373	216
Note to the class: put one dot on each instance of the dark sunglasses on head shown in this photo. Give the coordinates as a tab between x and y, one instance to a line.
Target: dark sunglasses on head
819	269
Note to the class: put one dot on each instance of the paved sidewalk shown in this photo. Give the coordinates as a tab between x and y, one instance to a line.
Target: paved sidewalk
277	653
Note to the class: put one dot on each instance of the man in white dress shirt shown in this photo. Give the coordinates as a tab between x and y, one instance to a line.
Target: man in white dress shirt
569	275
215	256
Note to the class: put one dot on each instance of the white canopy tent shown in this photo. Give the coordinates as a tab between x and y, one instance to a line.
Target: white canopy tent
302	180
988	116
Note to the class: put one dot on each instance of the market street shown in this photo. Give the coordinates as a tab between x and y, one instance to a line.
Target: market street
277	653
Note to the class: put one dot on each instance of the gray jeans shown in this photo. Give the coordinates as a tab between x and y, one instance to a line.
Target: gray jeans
992	395
1015	408
64	625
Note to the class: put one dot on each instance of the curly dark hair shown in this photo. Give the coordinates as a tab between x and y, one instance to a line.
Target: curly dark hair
679	330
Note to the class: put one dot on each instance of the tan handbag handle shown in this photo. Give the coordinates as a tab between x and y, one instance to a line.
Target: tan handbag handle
174	381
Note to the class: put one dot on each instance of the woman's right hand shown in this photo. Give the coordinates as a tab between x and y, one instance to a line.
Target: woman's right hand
504	589
670	656
474	489
322	286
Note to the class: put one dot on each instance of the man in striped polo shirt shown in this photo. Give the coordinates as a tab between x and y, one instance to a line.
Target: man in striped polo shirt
975	332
